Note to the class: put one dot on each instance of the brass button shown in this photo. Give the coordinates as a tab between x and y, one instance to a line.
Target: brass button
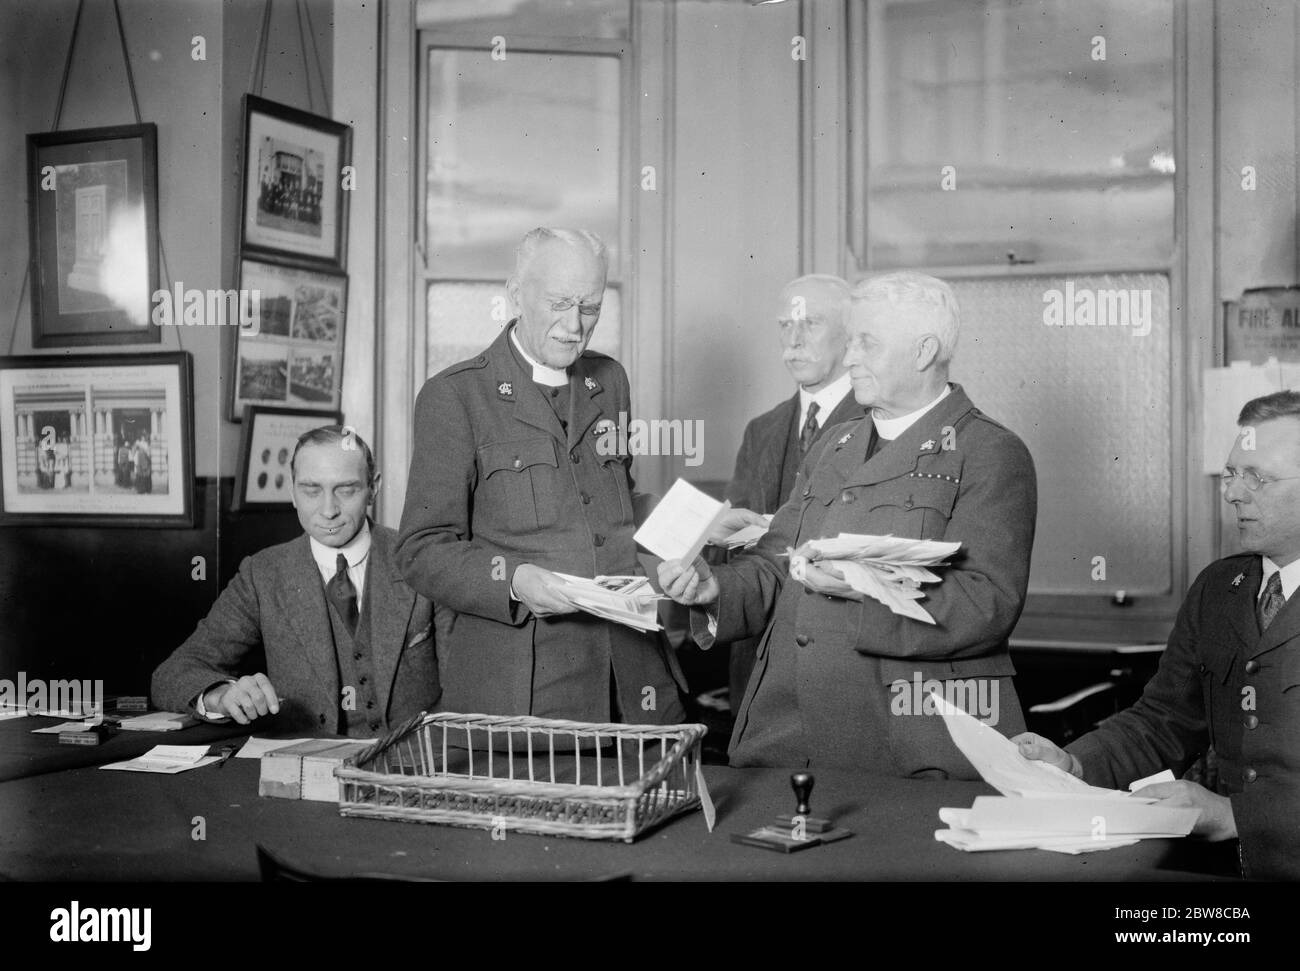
909	504
807	491
1250	775
599	540
518	463
576	457
586	499
847	496
803	640
1252	666
1251	721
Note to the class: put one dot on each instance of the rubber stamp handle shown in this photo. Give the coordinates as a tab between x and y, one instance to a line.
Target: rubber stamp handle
802	784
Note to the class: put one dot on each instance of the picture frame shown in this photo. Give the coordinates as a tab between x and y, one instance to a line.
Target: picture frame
92	204
97	440
263	480
293	202
291	356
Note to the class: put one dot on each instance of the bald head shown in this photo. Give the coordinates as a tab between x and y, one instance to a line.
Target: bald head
812	311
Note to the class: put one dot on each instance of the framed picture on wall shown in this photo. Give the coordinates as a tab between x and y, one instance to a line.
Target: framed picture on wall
97	440
92	203
294	203
264	479
290	355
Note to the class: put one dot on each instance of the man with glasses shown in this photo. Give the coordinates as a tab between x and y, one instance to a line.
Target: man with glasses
1229	679
508	488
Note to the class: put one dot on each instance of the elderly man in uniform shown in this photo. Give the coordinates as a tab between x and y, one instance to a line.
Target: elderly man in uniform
926	464
1230	676
507	488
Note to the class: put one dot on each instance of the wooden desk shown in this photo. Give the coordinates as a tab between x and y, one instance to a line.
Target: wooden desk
86	824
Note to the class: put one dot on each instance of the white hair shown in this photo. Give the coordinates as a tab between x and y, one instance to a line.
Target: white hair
928	302
582	239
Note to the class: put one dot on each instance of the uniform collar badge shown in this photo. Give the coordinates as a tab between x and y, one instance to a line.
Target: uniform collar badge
843	440
505	389
1236	581
590	384
927	445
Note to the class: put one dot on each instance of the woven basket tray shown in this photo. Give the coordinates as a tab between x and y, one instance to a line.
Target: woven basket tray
527	775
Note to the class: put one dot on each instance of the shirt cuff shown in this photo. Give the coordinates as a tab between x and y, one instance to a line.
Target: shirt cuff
201	709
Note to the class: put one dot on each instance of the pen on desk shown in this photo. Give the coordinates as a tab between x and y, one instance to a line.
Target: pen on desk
224	755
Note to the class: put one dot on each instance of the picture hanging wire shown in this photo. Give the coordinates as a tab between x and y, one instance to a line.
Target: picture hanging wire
306	40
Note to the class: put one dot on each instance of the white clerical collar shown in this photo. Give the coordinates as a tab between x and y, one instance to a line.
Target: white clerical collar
890	428
828	399
1290	576
549	376
356	551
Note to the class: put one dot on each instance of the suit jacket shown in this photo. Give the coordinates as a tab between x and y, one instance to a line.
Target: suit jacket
496	482
1221	684
277	602
824	690
769	455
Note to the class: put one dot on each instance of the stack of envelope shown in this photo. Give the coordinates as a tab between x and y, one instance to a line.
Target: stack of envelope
623	599
1042	807
889	569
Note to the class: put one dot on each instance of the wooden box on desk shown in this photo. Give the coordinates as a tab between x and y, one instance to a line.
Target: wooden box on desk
306	770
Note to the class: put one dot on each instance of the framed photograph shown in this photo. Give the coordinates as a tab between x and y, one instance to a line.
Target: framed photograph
97	440
294	204
264	479
92	204
291	354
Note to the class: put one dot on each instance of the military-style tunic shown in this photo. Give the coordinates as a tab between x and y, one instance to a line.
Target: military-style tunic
497	480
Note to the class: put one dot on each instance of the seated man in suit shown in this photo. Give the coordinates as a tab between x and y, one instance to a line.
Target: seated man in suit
349	646
812	313
1229	678
926	464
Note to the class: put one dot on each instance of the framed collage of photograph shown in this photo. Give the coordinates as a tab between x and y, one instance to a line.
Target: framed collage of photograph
294	205
93	222
97	440
292	354
264	479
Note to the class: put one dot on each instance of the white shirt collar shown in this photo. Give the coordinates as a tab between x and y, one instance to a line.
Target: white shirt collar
828	399
1290	576
890	428
549	376
356	552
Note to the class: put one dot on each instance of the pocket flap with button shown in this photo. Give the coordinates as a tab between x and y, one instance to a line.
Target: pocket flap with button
517	455
911	493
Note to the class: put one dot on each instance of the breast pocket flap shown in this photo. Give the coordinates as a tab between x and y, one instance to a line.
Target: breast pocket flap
517	456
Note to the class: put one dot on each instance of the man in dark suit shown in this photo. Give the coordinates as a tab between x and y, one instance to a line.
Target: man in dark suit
349	646
509	487
833	666
1229	678
812	314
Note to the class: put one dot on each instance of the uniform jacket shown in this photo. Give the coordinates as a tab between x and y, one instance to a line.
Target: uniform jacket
496	482
276	602
1221	684
769	455
823	684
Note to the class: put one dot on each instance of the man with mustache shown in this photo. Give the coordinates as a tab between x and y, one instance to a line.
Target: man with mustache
1229	678
507	488
926	464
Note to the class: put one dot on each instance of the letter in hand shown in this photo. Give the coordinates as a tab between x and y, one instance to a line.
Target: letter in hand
823	578
1041	749
1216	821
690	586
249	698
541	591
730	522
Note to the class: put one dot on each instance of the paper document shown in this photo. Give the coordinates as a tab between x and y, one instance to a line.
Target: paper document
888	569
625	600
747	536
255	748
64	727
158	721
167	759
679	526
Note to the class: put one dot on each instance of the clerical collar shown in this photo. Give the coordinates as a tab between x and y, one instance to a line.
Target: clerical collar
828	399
549	376
890	428
356	550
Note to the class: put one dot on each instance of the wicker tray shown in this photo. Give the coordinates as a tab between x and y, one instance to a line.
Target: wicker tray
527	775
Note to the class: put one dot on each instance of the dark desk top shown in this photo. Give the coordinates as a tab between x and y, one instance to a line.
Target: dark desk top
87	824
24	754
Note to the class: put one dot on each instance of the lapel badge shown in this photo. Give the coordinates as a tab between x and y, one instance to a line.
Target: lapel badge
505	389
603	426
590	384
927	445
1236	581
843	440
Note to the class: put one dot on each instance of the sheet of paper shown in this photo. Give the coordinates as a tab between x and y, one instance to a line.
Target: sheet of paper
255	748
7	713
158	721
1081	816
747	536
79	726
1163	776
167	759
679	526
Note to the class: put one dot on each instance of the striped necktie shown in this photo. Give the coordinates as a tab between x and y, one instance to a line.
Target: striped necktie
1271	601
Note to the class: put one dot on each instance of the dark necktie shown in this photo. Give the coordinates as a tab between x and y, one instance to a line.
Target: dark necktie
809	428
1271	602
343	594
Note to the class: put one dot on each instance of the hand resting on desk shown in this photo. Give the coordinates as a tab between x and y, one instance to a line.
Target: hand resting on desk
245	700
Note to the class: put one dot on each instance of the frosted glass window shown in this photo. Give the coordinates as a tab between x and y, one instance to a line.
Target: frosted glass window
1092	404
586	19
993	128
460	322
531	140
